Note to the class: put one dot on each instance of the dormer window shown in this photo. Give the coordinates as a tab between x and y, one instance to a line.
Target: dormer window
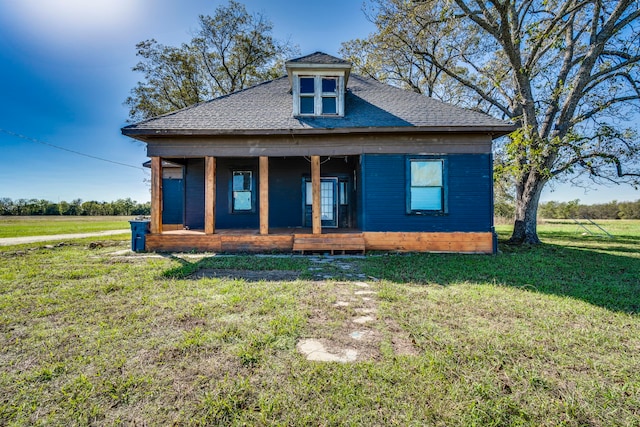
319	96
318	83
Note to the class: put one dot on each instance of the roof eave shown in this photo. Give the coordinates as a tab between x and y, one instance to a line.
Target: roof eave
142	134
307	66
316	66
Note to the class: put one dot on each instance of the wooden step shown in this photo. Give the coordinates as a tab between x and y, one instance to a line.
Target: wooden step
340	242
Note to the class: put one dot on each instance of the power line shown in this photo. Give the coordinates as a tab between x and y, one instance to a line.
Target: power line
17	135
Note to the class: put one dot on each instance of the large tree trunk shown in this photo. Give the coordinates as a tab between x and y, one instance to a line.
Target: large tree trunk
525	230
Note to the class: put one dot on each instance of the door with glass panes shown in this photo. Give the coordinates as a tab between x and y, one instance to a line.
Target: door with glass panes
334	198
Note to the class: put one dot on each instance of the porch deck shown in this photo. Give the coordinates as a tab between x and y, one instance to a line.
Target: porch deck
331	240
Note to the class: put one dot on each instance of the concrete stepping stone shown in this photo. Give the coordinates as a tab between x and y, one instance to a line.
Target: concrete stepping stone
363	319
315	351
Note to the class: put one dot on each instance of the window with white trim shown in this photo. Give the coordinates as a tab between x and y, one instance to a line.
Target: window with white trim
329	94
426	186
307	95
318	95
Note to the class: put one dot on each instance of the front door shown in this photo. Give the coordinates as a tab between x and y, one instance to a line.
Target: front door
328	202
172	201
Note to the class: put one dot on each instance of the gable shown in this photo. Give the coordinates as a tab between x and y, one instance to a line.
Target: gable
318	85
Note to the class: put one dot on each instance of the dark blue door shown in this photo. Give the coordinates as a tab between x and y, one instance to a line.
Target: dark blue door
173	201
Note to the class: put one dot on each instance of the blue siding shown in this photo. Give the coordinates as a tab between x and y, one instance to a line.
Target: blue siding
194	194
469	184
285	190
225	217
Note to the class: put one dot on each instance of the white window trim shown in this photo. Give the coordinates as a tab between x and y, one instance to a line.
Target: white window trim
317	98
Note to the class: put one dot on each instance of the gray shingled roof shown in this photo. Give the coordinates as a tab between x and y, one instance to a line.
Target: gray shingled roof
267	108
318	58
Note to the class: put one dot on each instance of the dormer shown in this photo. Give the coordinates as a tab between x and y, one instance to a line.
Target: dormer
318	83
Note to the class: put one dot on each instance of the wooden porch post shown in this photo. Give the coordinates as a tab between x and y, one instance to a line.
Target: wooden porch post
315	191
156	195
209	195
264	195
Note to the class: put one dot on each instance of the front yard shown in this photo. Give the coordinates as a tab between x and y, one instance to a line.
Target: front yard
90	335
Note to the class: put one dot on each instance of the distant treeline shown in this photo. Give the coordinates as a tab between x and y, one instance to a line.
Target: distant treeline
549	210
75	207
574	209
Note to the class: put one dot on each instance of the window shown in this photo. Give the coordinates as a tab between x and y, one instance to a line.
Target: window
426	186
329	95
242	188
344	195
307	95
318	96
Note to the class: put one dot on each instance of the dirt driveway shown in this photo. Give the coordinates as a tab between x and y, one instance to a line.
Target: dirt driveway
8	241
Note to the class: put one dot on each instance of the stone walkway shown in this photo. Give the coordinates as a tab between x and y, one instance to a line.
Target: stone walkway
357	338
356	329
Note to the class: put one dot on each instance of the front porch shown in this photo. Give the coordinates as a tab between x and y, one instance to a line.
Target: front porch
286	204
246	193
228	205
330	241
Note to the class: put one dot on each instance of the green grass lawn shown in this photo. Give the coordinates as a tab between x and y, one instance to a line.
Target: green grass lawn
535	336
11	226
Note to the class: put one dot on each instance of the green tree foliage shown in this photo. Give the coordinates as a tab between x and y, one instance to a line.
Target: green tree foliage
566	71
6	206
231	51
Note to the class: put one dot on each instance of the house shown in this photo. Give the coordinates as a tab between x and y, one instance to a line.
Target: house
321	160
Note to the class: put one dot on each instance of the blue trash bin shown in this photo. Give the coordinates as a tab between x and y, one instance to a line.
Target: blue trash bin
139	229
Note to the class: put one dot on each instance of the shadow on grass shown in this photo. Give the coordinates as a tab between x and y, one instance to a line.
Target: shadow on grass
240	267
600	274
185	269
618	244
581	237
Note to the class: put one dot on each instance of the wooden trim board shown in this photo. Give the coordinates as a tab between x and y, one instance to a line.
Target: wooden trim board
288	242
210	195
264	195
156	195
429	242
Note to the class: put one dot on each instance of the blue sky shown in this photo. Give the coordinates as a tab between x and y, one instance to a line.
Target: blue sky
65	71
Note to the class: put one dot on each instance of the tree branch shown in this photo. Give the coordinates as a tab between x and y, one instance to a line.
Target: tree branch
467	83
489	27
537	50
632	60
554	106
581	118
